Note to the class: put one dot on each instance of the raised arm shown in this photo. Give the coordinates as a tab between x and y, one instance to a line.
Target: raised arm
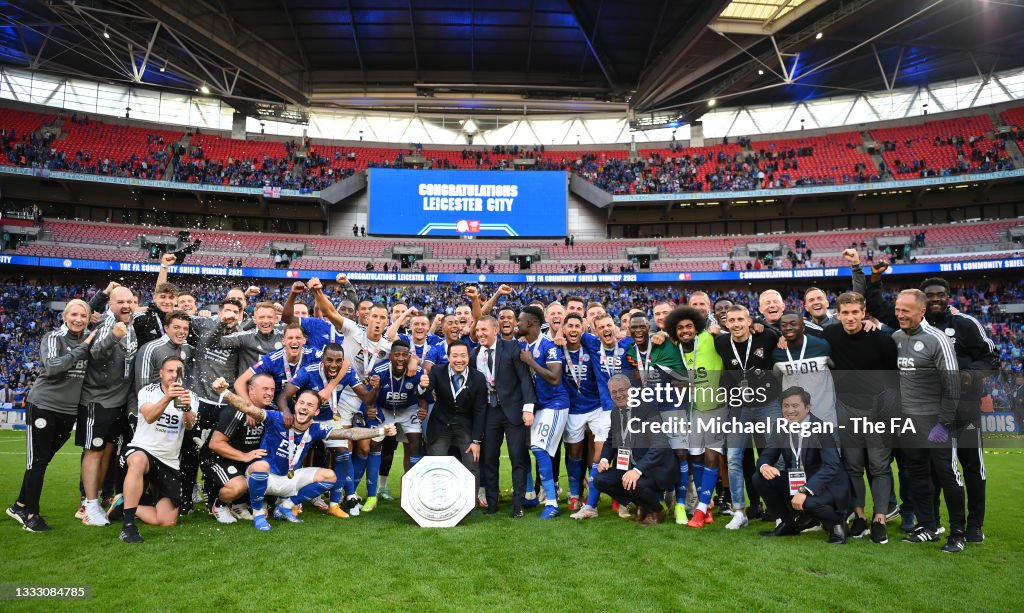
288	311
166	261
327	310
220	386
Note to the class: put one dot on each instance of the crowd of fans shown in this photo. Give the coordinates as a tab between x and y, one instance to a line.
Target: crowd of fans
25	314
681	170
38	150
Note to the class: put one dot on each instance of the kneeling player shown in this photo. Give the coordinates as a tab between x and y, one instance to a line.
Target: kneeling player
279	474
234	444
394	402
152	456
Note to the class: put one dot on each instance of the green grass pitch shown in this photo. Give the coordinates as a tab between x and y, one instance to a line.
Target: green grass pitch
383	561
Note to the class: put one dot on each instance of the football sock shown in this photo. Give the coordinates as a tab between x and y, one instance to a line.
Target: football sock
574	466
358	468
257	491
311	491
593	495
547	474
684	480
372	472
343	473
129	516
707	485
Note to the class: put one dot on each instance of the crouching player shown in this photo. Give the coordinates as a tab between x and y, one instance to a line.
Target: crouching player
166	410
280	473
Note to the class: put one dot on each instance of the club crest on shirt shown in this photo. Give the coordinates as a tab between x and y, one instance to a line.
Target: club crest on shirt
586	357
408	386
918	346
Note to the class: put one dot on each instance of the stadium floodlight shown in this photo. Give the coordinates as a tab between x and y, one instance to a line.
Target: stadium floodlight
817	36
712	102
106	34
204	89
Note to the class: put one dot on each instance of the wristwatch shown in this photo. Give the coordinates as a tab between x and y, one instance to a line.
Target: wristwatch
804	490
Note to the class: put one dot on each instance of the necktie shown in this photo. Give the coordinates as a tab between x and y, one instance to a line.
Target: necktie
492	398
490	360
457	381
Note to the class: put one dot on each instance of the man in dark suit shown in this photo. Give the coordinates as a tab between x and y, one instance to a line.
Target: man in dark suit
459	409
813	482
510	393
637	462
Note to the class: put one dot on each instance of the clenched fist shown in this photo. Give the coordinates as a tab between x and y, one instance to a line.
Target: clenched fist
120	329
219	385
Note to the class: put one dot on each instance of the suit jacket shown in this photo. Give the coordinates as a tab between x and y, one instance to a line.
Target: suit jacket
819	458
650	452
467	410
512	379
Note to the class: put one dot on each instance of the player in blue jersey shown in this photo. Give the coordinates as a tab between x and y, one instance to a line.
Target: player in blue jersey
318	331
282	364
280	473
605	355
329	379
438	352
419	338
547	424
394	401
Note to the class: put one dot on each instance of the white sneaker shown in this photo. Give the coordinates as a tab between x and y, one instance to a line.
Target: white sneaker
481	497
197	494
223	514
319	504
241	511
542	496
94	516
585	513
739	520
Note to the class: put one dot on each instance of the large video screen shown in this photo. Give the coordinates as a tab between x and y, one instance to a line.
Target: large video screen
467	203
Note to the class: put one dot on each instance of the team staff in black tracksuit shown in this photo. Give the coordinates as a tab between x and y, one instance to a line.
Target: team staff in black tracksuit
52	407
149	325
929	394
977	358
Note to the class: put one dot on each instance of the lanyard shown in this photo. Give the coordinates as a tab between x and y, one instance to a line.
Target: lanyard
640	362
796	450
624	425
746	359
691	368
573	369
295	451
419	350
803	350
451	383
487	367
391	376
606	361
287	370
370	354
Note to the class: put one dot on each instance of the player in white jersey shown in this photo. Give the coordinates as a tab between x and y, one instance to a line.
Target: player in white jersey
152	456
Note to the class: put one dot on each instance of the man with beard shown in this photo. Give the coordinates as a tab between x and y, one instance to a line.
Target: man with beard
282	364
702	302
330	379
234	444
249	345
103	407
805	362
977	358
279	474
703	365
507	318
394	401
547	423
210	363
438	352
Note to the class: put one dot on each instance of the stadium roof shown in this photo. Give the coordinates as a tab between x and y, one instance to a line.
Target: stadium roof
664	56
